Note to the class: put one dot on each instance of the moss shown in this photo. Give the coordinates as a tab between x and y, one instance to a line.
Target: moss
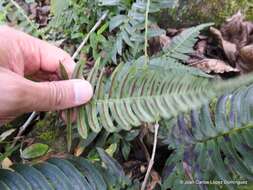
47	136
201	11
44	132
49	131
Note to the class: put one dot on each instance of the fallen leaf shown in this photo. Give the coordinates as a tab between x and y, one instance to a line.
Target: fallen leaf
6	163
233	30
213	65
237	31
229	48
246	55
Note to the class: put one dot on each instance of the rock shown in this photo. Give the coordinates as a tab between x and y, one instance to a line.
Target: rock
193	12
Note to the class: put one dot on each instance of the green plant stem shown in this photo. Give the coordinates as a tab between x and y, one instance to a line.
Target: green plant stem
146	32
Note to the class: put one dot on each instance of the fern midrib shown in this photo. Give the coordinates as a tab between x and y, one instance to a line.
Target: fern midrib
136	98
228	133
146	33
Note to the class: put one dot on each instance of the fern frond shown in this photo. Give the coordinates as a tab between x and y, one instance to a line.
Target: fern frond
181	46
131	26
71	173
138	93
173	66
220	140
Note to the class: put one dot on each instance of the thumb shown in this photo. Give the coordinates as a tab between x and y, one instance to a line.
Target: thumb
51	96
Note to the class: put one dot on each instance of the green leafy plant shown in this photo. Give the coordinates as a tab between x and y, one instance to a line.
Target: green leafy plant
212	143
72	173
137	92
133	25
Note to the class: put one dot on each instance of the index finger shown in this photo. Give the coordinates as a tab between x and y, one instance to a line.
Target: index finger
39	55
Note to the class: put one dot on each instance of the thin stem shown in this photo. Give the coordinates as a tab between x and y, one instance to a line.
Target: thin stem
23	128
151	162
146	32
88	35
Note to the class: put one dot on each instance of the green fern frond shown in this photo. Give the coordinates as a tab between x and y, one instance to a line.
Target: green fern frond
173	66
137	94
216	144
182	45
65	174
131	26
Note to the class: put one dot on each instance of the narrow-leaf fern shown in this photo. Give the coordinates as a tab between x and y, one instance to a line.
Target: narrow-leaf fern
215	144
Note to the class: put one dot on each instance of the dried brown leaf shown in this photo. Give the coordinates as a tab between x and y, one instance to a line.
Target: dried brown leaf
246	55
237	31
229	48
6	163
213	65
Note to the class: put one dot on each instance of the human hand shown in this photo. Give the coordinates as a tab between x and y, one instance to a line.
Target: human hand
24	56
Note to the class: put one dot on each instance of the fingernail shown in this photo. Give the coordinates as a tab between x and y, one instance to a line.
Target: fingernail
83	91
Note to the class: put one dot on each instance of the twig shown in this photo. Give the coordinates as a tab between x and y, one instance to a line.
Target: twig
23	128
29	120
146	32
88	35
151	162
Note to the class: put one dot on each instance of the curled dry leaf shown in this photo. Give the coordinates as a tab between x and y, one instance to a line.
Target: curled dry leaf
238	31
234	30
213	65
246	55
229	48
235	37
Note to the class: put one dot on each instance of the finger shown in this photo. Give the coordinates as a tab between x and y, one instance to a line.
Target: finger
52	56
50	96
34	53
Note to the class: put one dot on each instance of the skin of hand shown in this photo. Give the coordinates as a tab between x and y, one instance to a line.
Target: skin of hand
23	56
